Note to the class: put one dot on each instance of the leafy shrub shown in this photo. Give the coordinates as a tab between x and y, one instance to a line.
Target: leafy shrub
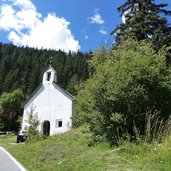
10	110
132	81
33	122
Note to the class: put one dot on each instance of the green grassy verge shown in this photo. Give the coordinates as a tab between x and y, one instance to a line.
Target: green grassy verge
69	152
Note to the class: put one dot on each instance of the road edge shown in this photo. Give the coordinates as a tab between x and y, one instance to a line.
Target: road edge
13	159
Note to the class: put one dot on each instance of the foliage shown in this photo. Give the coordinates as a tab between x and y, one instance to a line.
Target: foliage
33	122
97	58
144	19
10	110
23	68
156	130
133	81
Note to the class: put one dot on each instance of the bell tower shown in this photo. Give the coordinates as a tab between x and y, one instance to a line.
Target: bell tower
49	75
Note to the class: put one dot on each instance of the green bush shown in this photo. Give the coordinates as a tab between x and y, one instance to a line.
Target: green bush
132	81
10	110
33	133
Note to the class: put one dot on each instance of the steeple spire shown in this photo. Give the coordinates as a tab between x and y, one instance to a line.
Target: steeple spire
50	60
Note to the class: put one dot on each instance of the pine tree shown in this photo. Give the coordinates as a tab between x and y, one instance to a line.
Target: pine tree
23	68
144	19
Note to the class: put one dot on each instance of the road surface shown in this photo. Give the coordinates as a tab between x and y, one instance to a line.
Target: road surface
9	163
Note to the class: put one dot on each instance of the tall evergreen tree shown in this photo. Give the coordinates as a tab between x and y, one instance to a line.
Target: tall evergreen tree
144	19
23	68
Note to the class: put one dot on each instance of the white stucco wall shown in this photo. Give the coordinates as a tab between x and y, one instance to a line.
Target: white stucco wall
51	104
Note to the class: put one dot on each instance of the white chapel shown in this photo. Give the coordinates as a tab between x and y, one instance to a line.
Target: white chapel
53	105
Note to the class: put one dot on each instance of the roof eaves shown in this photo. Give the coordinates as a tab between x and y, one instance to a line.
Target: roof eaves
33	93
63	90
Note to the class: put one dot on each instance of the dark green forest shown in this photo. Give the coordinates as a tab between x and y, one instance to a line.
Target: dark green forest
23	68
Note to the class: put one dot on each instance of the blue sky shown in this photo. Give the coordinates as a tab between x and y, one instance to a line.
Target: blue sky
60	24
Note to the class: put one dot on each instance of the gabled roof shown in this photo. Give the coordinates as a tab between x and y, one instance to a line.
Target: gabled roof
49	66
54	84
33	93
64	91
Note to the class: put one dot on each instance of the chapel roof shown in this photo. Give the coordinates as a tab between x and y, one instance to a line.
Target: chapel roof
49	66
41	85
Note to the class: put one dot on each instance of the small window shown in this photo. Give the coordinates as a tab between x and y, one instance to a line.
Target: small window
48	76
58	123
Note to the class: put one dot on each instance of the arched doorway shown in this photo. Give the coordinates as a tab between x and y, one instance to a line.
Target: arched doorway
46	128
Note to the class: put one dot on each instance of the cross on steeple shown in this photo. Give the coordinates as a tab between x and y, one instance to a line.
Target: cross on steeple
50	60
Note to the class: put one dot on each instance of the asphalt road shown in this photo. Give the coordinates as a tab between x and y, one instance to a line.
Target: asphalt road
9	163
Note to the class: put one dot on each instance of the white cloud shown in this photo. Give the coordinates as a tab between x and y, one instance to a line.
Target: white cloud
6	15
102	31
27	27
96	19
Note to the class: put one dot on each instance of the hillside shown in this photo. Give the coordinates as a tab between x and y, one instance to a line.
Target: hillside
22	67
70	152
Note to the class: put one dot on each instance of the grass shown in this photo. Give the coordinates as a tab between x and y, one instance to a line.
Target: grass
69	152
